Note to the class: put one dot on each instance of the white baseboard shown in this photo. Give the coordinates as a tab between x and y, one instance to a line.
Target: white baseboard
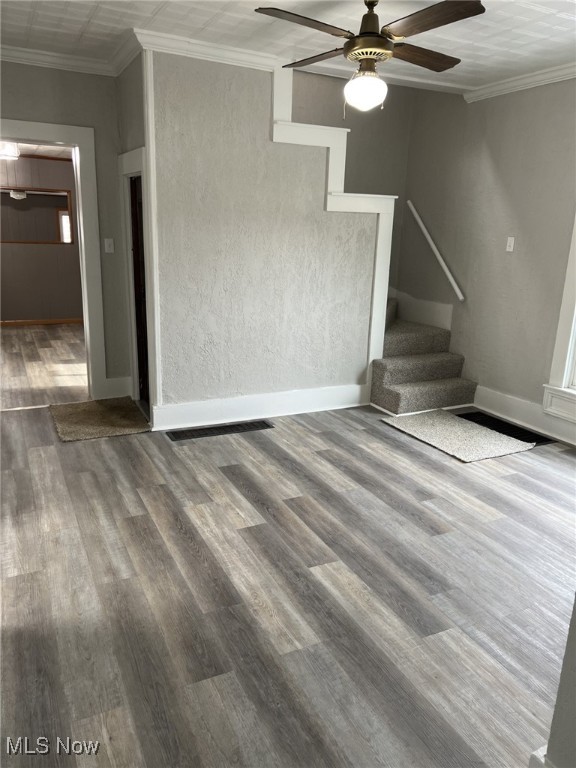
525	413
249	407
422	311
118	387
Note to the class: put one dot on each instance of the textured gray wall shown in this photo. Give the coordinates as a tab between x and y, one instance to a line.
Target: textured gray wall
45	95
478	173
377	149
260	289
40	282
130	101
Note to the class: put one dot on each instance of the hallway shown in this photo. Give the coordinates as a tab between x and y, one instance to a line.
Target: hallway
42	365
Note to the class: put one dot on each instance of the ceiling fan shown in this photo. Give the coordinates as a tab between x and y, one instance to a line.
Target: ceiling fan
366	90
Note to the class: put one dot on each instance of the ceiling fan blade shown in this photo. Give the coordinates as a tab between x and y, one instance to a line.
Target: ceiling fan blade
314	59
277	13
422	57
433	17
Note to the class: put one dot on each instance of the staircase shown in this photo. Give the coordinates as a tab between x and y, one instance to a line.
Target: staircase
417	372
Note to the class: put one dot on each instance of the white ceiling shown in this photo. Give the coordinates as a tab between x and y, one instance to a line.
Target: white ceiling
513	38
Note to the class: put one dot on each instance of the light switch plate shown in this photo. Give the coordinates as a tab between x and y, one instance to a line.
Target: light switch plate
108	245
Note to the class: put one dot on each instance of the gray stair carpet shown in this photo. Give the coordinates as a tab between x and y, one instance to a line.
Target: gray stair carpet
417	372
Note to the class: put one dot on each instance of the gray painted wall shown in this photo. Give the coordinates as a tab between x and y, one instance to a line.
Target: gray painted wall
478	173
378	142
130	101
31	220
260	289
40	282
55	96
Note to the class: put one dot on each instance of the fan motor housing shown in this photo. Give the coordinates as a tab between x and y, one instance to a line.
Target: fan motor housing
368	47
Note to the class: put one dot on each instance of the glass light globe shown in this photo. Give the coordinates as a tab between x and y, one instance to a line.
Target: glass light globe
365	90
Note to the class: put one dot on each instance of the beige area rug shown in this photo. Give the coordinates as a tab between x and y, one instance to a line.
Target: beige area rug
460	438
98	418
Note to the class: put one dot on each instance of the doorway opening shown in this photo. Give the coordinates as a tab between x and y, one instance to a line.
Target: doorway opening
139	288
81	140
43	349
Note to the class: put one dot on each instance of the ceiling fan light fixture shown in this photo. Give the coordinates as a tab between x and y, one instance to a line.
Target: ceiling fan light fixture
9	150
365	89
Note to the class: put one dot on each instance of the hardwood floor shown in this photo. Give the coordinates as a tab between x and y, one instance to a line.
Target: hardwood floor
42	364
330	592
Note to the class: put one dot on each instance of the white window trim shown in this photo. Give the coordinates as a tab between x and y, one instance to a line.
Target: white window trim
560	393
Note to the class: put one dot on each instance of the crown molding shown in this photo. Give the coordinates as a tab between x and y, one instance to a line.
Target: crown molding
543	77
197	49
332	70
125	53
56	61
139	39
127	50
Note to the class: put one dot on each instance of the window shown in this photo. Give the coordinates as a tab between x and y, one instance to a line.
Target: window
65	226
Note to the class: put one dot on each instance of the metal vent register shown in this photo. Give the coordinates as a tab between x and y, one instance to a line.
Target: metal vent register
220	429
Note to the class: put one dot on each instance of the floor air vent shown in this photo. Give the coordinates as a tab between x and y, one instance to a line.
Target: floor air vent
220	429
504	427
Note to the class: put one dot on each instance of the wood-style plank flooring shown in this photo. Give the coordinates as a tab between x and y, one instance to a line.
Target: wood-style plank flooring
328	593
42	364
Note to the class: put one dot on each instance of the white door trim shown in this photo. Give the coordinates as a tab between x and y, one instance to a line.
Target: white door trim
151	259
560	392
84	160
562	362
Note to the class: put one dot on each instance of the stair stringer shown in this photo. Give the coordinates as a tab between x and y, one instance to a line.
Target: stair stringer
285	131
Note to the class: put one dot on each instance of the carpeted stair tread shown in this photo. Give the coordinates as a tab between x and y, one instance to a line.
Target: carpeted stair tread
405	338
424	395
401	369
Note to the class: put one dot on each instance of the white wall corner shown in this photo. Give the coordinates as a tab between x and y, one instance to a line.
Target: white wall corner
282	84
525	413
